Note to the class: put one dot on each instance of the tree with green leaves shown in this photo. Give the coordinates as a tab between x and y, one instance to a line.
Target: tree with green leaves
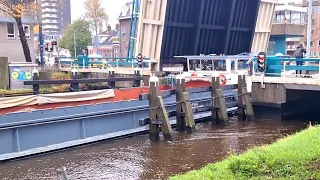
78	32
96	14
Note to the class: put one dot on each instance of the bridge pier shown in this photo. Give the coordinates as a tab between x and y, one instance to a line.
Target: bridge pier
284	100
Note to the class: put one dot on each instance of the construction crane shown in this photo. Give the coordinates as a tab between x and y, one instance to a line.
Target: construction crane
133	27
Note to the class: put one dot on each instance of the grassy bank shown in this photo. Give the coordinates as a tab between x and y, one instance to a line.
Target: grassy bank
293	157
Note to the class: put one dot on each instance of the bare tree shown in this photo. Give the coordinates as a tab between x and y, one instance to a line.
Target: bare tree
96	14
16	9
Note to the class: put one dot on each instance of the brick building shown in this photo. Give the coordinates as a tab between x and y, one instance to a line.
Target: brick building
109	43
125	21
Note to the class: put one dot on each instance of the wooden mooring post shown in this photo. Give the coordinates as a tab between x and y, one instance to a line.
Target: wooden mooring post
184	113
158	115
180	87
137	73
74	87
219	110
245	110
36	87
112	75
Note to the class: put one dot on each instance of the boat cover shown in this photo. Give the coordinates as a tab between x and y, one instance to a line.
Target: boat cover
55	98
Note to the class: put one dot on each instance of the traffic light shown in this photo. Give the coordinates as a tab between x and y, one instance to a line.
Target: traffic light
262	62
140	60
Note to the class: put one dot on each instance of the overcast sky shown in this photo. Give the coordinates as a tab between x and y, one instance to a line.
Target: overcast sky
113	8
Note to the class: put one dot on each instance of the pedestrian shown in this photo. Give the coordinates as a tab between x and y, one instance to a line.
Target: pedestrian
299	56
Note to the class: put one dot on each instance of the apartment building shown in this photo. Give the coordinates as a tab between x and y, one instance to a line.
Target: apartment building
315	32
10	45
56	15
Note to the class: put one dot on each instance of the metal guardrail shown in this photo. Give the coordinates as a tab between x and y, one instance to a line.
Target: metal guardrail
102	62
279	64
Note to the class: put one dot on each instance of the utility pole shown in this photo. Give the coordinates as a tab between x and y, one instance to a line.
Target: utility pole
40	35
41	44
75	44
309	27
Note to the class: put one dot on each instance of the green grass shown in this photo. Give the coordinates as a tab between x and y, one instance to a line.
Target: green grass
294	157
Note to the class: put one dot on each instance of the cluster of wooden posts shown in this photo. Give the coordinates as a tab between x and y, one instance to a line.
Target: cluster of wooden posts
158	116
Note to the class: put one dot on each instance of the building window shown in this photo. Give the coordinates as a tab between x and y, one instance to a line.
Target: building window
314	54
116	52
123	29
311	44
10	31
26	29
312	32
123	37
123	33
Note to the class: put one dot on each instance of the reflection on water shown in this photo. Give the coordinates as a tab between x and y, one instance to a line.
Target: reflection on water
138	158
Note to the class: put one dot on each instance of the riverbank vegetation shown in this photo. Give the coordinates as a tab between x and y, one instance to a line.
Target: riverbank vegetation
294	157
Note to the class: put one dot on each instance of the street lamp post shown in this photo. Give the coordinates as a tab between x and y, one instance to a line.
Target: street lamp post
74	43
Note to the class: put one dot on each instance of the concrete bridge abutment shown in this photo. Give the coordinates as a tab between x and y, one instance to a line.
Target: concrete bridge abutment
285	101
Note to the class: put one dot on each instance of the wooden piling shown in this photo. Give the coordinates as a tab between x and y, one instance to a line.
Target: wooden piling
153	94
241	84
35	87
180	88
137	73
75	87
4	73
248	110
162	115
219	109
215	84
222	108
188	114
112	75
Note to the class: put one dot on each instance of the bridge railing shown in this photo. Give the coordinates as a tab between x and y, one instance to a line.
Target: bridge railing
102	62
279	65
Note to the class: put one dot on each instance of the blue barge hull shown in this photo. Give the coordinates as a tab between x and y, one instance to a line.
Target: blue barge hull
24	134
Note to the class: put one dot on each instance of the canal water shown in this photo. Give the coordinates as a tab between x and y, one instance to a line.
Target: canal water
138	158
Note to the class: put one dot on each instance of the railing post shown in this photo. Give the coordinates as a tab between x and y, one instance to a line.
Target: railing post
284	68
36	87
117	61
137	74
112	75
74	75
83	65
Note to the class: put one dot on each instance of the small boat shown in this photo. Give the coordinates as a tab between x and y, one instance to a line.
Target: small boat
227	67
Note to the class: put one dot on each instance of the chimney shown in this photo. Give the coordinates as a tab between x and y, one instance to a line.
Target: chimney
117	26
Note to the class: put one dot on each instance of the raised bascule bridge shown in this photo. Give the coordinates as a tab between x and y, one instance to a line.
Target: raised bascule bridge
37	123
